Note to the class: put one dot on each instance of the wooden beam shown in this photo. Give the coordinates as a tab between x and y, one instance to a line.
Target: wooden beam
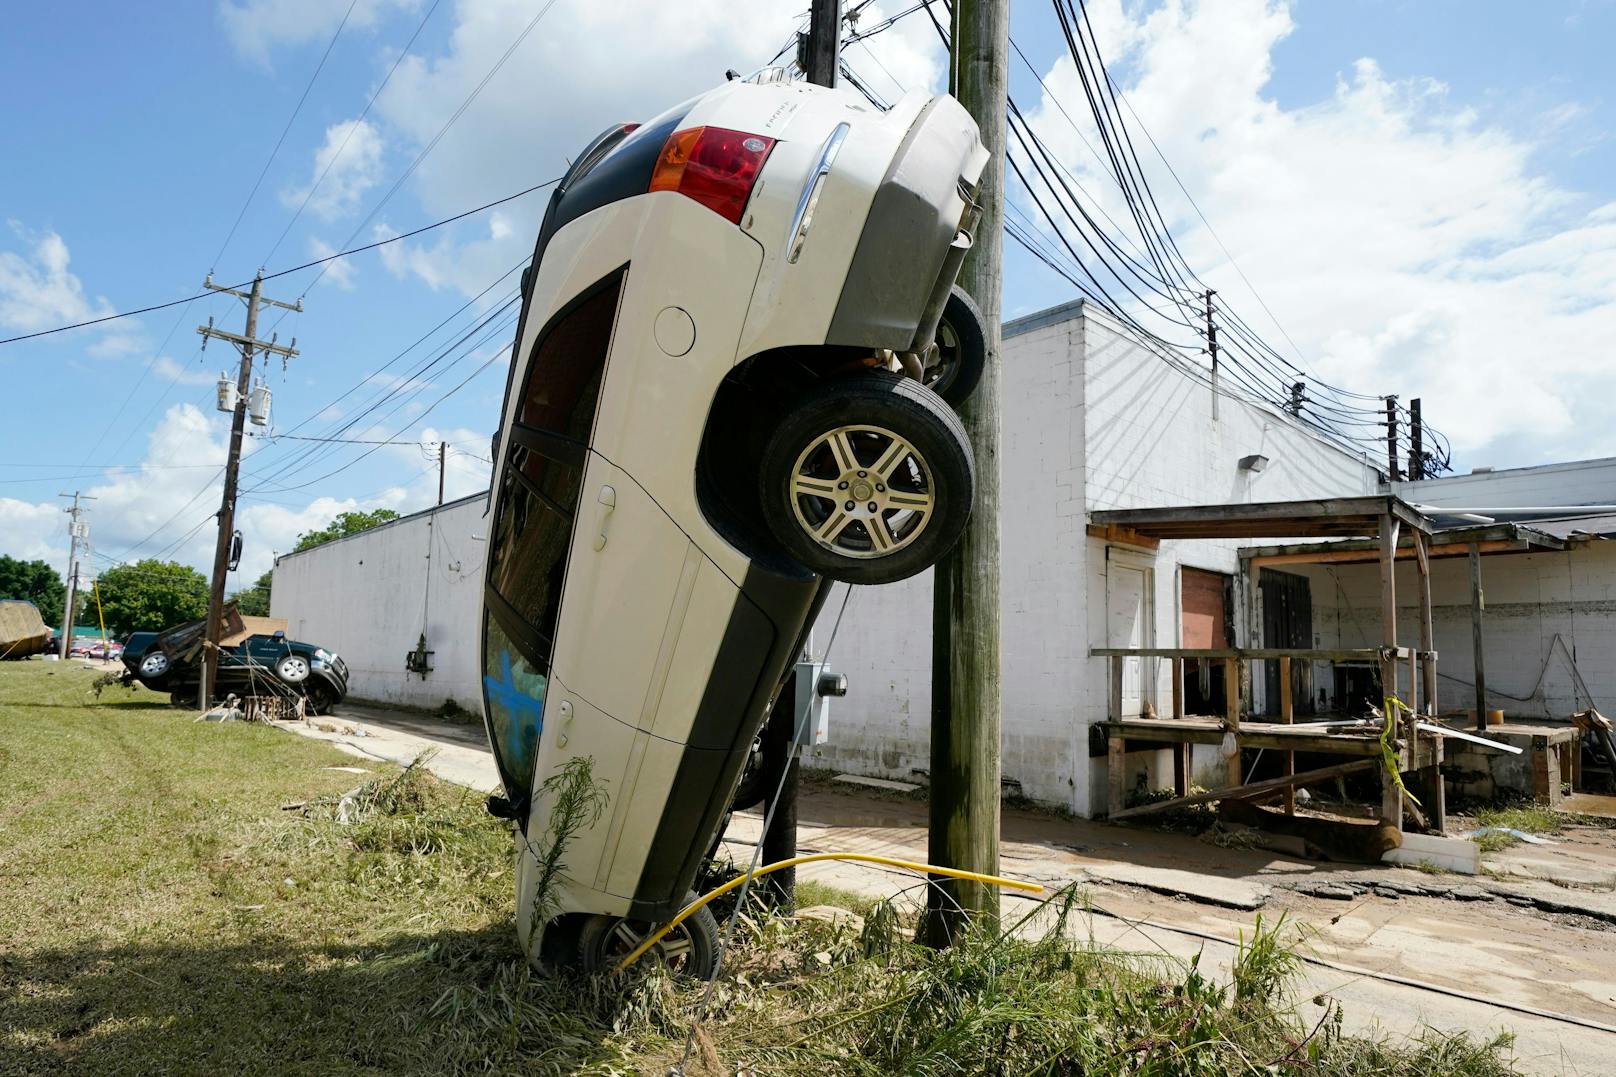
1427	631
1477	604
1178	687
1124	536
1116	771
1181	769
1116	688
1303	654
1287	715
1272	737
1231	713
1368	555
1241	792
1391	793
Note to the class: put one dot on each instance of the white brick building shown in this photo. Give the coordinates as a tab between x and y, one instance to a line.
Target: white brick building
370	597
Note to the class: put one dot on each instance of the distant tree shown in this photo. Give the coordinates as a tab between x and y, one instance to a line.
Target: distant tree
254	601
349	523
149	596
37	582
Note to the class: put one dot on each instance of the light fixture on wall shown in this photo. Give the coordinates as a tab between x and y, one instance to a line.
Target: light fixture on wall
1253	463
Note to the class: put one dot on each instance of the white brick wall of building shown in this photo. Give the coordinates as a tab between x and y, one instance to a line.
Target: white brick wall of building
370	596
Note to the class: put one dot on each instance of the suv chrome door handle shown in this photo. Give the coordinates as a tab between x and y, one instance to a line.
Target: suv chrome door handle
608	502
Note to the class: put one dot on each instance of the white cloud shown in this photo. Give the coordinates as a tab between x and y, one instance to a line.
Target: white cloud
341	272
346	166
258	27
167	370
1405	242
36	289
585	66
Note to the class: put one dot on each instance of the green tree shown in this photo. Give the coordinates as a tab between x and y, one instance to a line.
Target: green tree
254	601
349	523
37	582
149	596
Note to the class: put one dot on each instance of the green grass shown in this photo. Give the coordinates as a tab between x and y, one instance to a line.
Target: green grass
196	898
1525	816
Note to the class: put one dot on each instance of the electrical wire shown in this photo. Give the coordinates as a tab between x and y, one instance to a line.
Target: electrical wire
294	269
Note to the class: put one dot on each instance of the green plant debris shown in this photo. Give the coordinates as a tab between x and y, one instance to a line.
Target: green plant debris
167	913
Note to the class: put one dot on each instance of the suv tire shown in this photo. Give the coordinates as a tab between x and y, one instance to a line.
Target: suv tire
691	949
868	479
962	348
154	665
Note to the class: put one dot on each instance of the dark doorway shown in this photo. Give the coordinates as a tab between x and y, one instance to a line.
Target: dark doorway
1287	613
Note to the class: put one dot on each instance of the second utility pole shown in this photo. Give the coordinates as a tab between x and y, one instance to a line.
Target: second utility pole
248	343
965	681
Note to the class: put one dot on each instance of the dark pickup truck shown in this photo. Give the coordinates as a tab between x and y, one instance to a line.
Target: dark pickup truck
171	661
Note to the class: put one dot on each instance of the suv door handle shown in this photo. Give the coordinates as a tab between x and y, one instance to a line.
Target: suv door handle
608	502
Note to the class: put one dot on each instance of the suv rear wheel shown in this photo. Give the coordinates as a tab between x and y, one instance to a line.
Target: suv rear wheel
154	664
868	479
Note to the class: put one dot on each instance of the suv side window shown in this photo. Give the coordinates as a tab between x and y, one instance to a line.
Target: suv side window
545	447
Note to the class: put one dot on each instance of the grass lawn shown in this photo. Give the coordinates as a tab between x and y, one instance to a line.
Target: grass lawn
181	897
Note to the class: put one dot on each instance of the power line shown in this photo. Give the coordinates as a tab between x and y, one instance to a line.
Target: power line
284	130
309	194
294	269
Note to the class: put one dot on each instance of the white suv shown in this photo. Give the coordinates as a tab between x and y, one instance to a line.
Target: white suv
739	342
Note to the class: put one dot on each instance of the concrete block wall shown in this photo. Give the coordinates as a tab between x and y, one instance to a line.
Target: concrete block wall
1543	612
370	596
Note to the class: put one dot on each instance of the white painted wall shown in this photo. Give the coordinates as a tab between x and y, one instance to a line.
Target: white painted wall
1535	603
1092	420
370	596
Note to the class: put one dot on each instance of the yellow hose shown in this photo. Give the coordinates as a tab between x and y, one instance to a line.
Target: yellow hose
911	865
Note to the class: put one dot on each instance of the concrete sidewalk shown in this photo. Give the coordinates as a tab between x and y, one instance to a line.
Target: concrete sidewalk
460	752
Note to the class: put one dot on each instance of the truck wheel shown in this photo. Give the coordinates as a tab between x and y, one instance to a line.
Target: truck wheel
962	350
293	669
154	664
868	479
691	949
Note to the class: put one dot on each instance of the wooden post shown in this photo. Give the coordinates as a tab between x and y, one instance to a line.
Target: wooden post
965	715
1287	714
1422	553
1391	794
1116	761
1231	713
1477	604
1178	687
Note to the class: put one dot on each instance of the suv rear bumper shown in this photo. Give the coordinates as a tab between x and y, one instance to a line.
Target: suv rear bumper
922	205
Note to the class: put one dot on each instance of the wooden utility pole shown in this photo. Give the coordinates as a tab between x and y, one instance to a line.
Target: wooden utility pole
1212	349
965	679
443	465
248	343
1393	471
75	531
1416	441
818	53
819	50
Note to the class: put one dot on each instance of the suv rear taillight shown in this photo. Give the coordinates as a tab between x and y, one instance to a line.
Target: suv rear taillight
712	165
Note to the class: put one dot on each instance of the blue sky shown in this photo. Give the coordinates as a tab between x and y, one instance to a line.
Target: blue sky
1475	191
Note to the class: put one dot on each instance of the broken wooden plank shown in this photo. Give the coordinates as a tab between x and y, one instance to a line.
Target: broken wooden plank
1241	792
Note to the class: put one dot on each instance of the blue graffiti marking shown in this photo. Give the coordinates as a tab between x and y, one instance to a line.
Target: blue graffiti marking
503	692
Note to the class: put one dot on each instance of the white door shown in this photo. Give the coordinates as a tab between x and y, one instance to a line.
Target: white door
1129	624
625	572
